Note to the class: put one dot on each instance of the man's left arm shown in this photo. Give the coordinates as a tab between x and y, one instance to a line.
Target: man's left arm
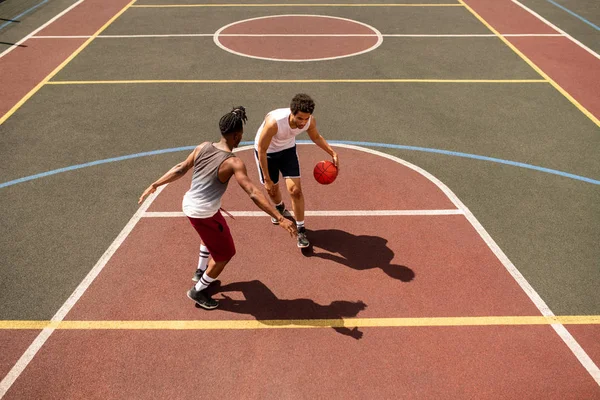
320	141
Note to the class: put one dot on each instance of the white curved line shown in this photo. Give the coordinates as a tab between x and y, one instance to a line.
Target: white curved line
223	47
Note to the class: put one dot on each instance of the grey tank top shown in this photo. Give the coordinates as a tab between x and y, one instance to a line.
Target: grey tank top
203	199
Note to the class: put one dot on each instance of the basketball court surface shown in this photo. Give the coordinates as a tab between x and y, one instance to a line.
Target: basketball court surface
454	257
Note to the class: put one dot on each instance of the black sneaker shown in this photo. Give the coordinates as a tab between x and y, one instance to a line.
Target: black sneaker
283	211
197	275
202	299
302	240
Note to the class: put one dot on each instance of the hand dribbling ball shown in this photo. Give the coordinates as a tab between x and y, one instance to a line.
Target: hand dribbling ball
325	172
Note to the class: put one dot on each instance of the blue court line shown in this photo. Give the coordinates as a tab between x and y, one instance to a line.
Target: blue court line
364	144
574	14
91	164
22	14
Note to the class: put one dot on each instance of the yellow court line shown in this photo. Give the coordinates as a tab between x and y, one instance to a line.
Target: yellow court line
299	5
62	65
532	65
306	323
140	81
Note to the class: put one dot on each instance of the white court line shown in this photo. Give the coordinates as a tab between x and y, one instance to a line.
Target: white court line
39	341
14	46
550	24
217	36
329	213
300	35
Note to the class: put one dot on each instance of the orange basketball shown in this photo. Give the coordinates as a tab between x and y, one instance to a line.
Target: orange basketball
325	172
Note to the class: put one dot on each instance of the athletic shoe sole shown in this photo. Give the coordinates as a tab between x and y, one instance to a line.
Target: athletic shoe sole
203	305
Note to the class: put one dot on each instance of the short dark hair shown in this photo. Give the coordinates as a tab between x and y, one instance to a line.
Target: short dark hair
302	102
233	121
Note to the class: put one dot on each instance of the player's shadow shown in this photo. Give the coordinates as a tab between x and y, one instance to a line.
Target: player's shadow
262	303
357	252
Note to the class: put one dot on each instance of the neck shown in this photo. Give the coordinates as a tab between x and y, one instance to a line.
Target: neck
224	144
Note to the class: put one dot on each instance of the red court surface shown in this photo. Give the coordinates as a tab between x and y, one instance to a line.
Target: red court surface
398	266
13	344
440	362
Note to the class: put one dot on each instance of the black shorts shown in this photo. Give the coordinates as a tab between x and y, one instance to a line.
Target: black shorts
284	161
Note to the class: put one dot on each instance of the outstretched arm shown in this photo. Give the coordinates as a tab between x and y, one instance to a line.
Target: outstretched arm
241	175
173	174
320	141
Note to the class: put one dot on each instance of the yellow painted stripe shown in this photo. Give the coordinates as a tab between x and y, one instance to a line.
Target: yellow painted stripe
535	67
62	65
297	5
306	323
115	82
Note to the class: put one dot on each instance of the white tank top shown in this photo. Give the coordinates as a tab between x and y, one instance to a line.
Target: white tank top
286	136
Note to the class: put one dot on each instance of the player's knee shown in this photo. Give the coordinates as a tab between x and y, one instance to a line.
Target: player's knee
296	192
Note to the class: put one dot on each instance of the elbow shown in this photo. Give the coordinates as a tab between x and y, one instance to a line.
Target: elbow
253	196
180	170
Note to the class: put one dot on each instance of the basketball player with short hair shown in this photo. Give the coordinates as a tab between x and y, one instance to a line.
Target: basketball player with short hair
213	165
275	152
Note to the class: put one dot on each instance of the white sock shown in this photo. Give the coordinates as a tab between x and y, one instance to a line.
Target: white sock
203	259
204	282
300	224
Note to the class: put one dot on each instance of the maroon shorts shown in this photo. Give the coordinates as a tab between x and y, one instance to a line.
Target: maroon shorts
216	236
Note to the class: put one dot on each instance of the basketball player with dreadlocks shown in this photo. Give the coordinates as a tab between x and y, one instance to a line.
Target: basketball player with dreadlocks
213	165
275	153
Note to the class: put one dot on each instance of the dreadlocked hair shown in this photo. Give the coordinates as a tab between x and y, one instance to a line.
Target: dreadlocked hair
302	102
233	121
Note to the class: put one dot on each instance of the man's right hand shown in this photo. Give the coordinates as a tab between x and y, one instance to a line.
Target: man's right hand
289	226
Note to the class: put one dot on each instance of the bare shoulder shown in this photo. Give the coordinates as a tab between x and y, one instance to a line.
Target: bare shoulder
270	124
235	163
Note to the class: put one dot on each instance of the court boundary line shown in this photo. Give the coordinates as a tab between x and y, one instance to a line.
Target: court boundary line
468	321
551	25
514	48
